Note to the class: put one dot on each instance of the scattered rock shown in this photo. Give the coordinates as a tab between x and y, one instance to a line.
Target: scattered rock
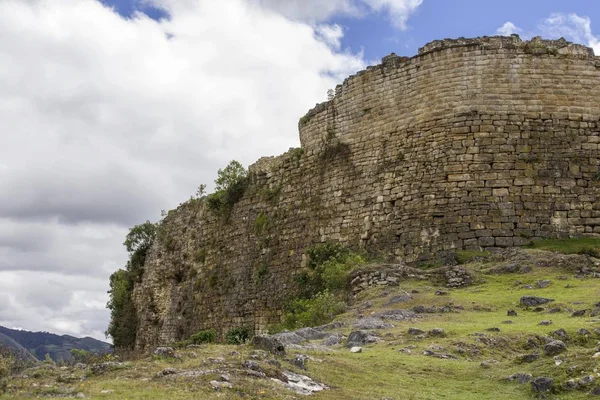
546	322
561	334
311	333
333	339
494	329
437	332
359	338
415	331
165	352
444	356
400	298
289	338
269	343
508	321
596	355
510	269
441	293
528	358
511	313
579	313
356	349
542	384
167	371
301	384
249	364
543	284
371	323
534	301
554	310
488	364
555	347
397	315
586	380
595	391
101	368
520	377
300	361
220	385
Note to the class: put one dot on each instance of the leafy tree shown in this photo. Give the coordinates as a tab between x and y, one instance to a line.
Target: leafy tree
230	186
230	176
123	315
140	237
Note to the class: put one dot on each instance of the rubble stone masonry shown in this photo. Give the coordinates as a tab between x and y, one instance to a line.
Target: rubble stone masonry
472	143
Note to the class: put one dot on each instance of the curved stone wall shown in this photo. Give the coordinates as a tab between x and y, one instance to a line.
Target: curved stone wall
485	142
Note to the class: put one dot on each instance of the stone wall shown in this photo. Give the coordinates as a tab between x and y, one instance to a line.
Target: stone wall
485	142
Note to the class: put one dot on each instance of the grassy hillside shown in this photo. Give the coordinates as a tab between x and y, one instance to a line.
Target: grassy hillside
432	343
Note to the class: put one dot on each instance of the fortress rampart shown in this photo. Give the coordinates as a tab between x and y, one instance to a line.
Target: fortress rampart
473	143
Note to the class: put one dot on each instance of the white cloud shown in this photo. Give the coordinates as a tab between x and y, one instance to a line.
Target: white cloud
399	10
331	34
573	27
107	120
508	29
315	11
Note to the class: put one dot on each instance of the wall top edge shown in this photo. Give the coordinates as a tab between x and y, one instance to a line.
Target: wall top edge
537	46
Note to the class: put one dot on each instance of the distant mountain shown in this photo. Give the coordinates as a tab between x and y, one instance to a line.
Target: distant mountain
38	344
15	348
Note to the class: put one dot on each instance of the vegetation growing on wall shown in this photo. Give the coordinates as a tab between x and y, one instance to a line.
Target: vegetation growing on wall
123	316
323	286
230	186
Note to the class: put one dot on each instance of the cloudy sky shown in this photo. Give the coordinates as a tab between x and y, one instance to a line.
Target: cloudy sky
113	110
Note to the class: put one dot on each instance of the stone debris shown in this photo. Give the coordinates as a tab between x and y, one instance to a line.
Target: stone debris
269	343
534	301
359	338
555	347
520	377
542	384
371	323
301	384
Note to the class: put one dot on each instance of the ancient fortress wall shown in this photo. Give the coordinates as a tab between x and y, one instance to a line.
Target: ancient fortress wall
485	142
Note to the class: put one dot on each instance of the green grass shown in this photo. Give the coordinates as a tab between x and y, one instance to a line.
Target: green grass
381	370
584	245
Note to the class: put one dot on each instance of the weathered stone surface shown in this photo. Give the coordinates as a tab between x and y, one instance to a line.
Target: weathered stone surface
269	343
533	301
520	377
555	347
485	142
542	384
359	338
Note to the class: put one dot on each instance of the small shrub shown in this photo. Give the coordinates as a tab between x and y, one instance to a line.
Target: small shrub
238	335
206	336
214	201
200	256
328	267
261	273
81	356
319	310
261	223
590	251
